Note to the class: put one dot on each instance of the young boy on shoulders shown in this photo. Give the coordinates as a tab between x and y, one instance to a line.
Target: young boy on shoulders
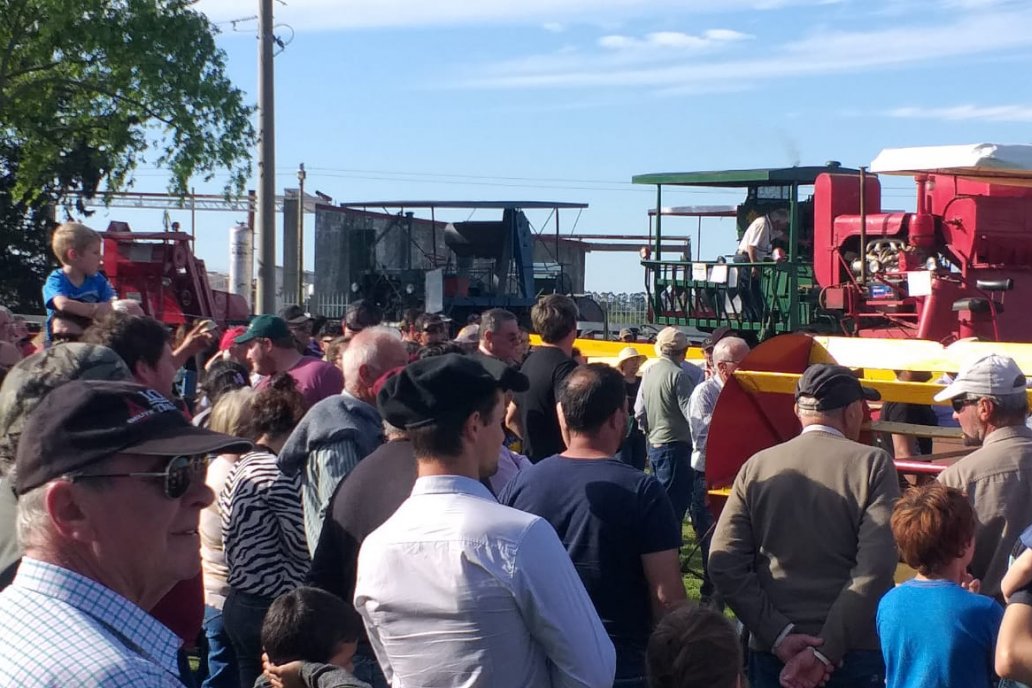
77	287
309	637
935	631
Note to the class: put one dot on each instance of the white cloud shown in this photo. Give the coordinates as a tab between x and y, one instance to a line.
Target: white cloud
823	52
357	14
553	27
673	40
964	113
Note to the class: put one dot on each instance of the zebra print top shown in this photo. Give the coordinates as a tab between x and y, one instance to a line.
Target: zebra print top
263	527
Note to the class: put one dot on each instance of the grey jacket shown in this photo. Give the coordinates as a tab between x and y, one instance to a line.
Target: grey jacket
805	539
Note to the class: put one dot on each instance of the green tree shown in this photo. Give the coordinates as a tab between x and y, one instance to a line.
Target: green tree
89	90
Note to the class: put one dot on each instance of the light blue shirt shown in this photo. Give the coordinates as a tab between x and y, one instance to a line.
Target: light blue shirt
700	414
457	590
59	628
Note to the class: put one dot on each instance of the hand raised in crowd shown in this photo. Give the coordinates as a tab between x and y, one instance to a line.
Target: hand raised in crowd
805	670
202	335
971	584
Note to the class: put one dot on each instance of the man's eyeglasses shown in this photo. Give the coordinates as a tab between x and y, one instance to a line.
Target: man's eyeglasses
960	402
177	476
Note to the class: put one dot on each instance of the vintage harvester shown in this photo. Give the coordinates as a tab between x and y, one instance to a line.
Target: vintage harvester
941	273
159	270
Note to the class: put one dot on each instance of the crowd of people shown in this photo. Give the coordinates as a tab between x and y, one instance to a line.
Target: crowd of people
362	504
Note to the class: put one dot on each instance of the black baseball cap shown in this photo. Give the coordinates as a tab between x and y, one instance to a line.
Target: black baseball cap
715	336
824	387
86	421
440	387
362	314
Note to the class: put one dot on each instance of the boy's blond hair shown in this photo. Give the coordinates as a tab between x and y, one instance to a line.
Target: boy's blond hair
72	235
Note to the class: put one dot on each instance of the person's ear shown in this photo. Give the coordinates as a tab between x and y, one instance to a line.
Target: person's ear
64	505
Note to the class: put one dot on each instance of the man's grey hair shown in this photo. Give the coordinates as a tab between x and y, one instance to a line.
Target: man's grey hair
365	349
491	320
33	521
730	349
392	432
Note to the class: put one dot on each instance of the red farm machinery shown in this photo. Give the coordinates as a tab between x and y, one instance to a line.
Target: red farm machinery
942	272
159	270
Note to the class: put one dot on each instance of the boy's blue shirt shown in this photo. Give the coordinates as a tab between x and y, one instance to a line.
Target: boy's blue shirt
936	634
94	289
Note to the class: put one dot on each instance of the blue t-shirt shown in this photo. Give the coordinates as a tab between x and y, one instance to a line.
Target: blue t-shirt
607	514
936	634
94	289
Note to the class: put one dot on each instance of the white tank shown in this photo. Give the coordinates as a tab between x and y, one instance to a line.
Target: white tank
241	260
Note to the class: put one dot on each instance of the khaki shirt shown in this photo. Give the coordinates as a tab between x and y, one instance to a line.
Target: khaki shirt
997	479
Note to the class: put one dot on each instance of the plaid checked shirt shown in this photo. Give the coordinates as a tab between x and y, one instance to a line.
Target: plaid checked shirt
62	629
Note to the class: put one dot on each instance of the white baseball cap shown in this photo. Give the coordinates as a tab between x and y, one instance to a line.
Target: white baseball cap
991	375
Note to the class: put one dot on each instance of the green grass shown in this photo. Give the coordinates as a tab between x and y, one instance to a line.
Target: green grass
692	582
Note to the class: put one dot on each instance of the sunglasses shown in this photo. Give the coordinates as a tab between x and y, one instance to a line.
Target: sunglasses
959	404
177	476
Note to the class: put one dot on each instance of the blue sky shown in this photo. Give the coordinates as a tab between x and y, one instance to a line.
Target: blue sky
565	100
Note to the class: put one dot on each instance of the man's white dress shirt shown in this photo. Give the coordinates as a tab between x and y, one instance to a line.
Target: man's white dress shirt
457	590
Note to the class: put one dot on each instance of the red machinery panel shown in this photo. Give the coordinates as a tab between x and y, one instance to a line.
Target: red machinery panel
159	270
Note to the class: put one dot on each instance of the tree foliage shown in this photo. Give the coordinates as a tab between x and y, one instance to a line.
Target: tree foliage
90	89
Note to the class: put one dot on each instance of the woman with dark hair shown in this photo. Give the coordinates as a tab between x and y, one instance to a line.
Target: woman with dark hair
263	530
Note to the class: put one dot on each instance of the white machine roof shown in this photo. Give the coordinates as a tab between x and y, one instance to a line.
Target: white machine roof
986	161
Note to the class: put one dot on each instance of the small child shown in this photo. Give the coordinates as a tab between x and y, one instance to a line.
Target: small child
309	637
694	647
77	288
934	632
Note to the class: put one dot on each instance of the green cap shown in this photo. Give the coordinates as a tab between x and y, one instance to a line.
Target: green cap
266	327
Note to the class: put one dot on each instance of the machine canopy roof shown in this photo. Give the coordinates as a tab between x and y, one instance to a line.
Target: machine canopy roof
987	161
698	211
769	176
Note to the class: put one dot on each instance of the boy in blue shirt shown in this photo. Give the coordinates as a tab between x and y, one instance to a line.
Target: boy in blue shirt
77	287
935	631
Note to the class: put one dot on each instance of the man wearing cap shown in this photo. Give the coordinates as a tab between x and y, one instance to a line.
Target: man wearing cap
500	336
454	588
725	356
110	478
663	415
614	520
271	349
28	382
803	550
302	326
342	429
626	335
990	403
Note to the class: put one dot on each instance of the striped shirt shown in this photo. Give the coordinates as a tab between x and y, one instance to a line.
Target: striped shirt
60	628
263	527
